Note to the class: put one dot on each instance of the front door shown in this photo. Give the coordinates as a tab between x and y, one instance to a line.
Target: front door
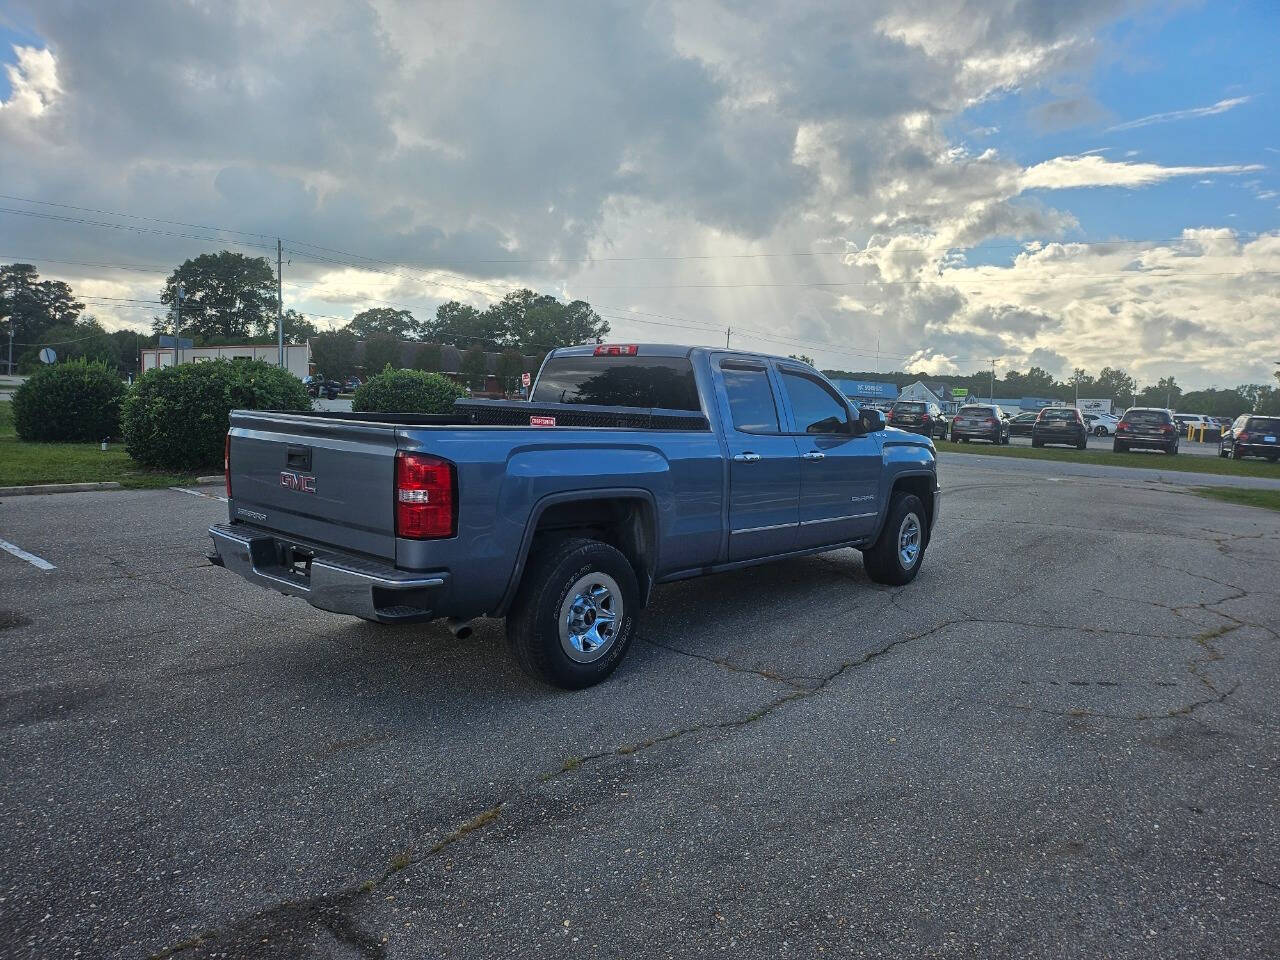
764	470
839	464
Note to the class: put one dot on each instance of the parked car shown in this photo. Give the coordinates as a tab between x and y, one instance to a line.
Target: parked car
918	416
318	387
1020	426
1251	436
1060	425
980	421
1101	424
1194	421
628	467
1151	428
351	385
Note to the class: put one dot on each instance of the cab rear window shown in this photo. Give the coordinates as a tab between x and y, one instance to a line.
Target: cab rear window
664	382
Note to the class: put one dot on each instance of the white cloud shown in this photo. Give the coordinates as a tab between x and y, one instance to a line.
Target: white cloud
1062	173
1222	106
33	82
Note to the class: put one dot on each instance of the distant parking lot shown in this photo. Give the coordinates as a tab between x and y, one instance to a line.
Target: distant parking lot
1062	734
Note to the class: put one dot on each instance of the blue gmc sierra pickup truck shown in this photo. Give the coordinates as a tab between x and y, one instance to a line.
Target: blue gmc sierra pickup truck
629	466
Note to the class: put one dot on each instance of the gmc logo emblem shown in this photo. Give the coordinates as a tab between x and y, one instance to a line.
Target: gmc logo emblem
296	481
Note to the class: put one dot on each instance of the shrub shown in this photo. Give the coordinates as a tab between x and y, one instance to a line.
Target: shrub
406	391
78	400
176	417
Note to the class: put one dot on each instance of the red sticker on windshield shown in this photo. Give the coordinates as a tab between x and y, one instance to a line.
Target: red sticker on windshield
542	421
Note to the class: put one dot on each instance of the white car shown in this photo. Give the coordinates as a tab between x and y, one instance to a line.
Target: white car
1101	424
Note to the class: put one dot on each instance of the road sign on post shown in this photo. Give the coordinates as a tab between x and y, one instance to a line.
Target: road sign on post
47	355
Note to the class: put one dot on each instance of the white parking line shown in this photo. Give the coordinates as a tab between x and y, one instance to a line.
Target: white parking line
197	493
21	554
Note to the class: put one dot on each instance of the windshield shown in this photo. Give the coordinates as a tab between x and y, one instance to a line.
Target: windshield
665	382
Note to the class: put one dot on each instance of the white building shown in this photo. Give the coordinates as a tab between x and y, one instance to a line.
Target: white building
297	357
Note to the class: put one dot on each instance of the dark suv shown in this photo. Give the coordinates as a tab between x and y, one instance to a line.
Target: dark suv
1251	436
1060	425
1152	428
917	417
979	421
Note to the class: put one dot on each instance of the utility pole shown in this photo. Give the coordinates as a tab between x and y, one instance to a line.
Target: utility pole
279	300
9	368
993	379
177	329
727	331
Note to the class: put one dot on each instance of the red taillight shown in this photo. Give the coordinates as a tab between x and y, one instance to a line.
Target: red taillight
1166	428
991	421
1121	426
616	350
1242	437
226	463
425	501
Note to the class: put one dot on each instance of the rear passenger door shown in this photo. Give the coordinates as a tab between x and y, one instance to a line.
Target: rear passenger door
839	463
764	466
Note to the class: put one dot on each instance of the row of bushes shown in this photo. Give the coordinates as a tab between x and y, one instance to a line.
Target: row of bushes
175	418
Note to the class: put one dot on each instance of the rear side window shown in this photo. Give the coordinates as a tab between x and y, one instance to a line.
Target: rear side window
816	409
751	403
1146	417
665	382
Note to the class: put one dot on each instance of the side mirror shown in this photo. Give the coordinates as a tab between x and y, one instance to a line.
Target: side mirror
871	419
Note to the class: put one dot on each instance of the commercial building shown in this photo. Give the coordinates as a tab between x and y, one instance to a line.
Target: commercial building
297	357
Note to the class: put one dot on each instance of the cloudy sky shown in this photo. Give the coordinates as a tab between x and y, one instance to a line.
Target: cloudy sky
937	184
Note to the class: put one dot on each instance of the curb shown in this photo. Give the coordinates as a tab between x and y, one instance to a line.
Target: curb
213	478
36	488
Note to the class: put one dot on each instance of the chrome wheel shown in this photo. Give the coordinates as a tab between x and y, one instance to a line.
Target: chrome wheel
590	617
909	541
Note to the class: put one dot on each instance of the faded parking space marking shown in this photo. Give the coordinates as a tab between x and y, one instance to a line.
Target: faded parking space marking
198	493
21	554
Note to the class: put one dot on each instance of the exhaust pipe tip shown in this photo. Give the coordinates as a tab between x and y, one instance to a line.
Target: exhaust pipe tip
459	628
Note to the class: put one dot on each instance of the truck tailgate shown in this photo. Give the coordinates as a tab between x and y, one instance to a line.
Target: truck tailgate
318	479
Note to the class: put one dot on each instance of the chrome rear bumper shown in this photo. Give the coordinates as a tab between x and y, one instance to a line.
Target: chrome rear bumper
329	580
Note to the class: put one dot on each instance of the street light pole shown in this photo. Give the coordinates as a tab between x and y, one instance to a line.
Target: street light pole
9	367
177	327
279	300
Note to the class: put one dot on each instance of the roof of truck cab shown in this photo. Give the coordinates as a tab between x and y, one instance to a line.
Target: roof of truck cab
668	350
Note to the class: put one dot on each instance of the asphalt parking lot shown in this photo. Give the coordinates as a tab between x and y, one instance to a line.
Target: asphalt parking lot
1060	741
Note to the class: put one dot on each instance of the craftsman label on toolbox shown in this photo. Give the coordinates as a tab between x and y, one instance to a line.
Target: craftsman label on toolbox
542	421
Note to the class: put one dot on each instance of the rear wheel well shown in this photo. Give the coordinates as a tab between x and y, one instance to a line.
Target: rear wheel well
922	487
625	523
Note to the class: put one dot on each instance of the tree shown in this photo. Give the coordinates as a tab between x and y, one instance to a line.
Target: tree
1081	383
397	323
33	305
428	358
380	351
802	358
334	353
462	324
227	294
1165	392
535	323
1116	384
474	367
510	366
84	339
297	328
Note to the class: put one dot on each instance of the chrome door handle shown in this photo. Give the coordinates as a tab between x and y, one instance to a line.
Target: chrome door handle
815	455
746	457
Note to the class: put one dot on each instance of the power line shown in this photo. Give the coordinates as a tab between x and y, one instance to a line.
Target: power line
126	226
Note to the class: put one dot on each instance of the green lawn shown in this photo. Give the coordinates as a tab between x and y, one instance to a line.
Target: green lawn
1157	461
26	463
1267	499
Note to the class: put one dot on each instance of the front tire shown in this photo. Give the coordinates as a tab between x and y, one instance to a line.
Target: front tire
1037	443
574	616
896	557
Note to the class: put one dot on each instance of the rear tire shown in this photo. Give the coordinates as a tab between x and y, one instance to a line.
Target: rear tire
1172	450
1119	447
1037	443
896	557
1236	454
566	591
